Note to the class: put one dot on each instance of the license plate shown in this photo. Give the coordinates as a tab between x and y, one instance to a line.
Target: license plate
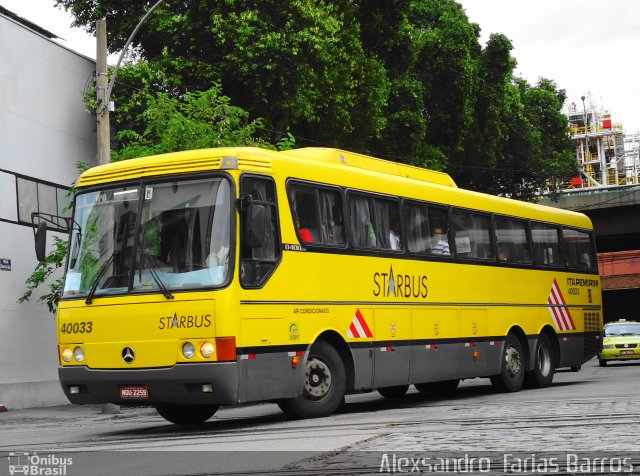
134	391
626	352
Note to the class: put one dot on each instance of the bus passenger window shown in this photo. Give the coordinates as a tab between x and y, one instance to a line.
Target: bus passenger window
387	220
417	227
546	244
317	214
472	235
363	234
578	249
512	240
439	232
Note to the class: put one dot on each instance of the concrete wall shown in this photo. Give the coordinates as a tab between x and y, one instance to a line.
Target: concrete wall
44	131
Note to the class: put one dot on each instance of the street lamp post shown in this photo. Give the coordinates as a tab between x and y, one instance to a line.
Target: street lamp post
103	91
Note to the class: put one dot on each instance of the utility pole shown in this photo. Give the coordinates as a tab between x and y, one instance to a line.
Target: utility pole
102	109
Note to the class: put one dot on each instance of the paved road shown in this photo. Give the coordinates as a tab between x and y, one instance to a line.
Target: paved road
594	412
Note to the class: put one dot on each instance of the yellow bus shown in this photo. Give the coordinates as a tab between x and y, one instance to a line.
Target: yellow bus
231	275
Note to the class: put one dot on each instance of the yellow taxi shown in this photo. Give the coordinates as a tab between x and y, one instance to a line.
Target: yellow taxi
620	341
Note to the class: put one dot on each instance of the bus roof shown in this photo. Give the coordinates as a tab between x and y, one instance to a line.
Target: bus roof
332	166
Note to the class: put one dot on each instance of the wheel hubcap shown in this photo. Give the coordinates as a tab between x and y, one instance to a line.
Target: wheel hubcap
513	361
317	380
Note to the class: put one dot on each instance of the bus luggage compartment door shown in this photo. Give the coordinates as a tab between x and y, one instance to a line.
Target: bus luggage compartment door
392	349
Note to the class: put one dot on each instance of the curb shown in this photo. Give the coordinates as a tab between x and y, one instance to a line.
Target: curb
2	408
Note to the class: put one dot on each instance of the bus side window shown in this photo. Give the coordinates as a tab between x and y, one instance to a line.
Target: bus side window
331	217
417	227
439	231
512	240
387	224
577	248
317	214
363	234
473	235
546	244
304	208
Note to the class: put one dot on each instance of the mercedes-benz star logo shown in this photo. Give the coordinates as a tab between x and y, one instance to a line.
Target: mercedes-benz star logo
128	355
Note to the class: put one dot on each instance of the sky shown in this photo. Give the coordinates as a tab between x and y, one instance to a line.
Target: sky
588	47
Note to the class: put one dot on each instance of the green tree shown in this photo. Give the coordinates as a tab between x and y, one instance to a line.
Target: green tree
295	64
198	120
403	79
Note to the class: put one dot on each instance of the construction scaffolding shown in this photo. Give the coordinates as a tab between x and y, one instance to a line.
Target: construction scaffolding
607	157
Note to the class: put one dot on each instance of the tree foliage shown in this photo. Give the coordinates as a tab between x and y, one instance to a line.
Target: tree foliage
403	79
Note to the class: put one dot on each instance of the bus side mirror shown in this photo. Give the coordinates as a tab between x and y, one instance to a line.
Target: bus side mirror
255	225
40	238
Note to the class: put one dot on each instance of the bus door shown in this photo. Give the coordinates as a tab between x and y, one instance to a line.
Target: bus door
392	351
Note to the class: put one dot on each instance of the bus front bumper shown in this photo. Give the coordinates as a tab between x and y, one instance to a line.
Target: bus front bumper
210	383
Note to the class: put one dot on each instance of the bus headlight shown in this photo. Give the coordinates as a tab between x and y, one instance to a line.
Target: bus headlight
188	350
66	354
206	349
78	354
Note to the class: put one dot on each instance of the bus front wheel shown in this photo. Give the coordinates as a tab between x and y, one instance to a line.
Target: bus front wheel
512	375
186	414
544	367
324	384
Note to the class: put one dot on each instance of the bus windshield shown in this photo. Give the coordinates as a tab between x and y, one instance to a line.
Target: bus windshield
154	238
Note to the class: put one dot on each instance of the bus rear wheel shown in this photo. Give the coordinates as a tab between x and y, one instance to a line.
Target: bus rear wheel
396	391
186	414
324	384
511	376
444	387
544	367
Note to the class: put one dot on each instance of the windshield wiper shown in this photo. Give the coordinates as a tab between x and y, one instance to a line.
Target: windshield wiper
153	269
94	286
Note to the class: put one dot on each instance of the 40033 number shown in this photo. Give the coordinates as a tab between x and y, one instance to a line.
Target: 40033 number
77	328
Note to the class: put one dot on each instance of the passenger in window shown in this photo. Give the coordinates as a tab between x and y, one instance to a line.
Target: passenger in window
303	233
503	255
394	240
440	242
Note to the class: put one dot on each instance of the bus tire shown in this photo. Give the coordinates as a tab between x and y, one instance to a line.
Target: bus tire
396	391
544	366
186	414
324	384
511	377
444	387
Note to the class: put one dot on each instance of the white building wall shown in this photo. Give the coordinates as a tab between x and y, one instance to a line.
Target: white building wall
44	131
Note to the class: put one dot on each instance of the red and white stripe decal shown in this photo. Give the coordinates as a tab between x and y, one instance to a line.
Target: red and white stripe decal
359	328
559	312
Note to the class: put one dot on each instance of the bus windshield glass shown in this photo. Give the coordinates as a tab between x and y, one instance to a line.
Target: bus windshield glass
153	238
